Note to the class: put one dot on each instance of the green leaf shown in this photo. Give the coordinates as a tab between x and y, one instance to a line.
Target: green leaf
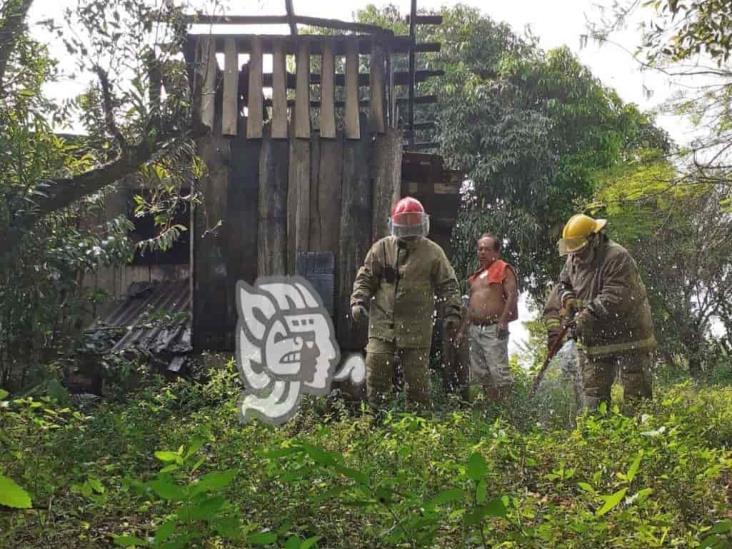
358	476
207	509
96	485
3	394
215	480
586	487
634	467
477	467
167	456
722	527
12	495
446	496
165	530
228	527
262	538
165	488
282	452
321	456
496	508
611	501
481	491
129	541
292	543
196	445
310	542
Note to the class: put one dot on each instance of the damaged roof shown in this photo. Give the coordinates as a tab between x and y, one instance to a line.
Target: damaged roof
155	319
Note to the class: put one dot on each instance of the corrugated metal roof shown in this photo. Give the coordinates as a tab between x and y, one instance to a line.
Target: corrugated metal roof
156	319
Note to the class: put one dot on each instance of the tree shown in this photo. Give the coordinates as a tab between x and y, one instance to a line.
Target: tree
50	185
131	46
676	211
690	42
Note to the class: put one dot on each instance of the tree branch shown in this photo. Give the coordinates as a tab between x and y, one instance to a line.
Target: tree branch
108	106
12	18
62	193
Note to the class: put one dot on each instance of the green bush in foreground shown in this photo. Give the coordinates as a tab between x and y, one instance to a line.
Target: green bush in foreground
172	467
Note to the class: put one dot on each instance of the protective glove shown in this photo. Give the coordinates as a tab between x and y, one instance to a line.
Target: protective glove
451	324
580	323
359	313
570	304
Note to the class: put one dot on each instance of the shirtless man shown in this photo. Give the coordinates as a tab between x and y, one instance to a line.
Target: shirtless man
493	304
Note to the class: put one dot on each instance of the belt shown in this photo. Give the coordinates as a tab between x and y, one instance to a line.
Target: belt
485	323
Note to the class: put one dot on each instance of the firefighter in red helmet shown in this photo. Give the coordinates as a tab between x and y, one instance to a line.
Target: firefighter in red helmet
403	278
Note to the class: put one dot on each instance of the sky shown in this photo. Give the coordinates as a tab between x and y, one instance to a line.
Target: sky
555	24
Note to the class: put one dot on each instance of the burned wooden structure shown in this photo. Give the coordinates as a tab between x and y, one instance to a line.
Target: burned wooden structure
303	165
425	177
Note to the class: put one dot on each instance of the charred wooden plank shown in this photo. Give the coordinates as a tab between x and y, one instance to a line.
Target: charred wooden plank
353	129
255	109
230	110
279	92
272	227
355	235
326	210
207	71
302	92
387	179
377	118
327	93
298	228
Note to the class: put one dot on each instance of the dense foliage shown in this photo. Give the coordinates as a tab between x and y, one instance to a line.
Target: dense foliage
461	478
673	210
53	227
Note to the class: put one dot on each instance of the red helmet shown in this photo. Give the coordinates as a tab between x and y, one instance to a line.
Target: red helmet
408	218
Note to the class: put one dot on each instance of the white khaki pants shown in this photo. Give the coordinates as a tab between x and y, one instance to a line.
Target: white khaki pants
488	357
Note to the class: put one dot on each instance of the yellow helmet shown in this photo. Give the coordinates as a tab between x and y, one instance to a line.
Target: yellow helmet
576	232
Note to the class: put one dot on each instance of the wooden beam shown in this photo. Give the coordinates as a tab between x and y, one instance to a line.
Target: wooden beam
279	92
422	146
255	114
230	114
302	93
327	93
353	130
291	17
426	19
284	20
412	68
419	100
377	119
396	44
339	79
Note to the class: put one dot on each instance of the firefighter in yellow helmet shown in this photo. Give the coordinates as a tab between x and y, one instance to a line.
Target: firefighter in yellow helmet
601	290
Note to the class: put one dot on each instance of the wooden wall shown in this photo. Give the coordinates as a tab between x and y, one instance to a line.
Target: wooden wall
282	197
292	176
